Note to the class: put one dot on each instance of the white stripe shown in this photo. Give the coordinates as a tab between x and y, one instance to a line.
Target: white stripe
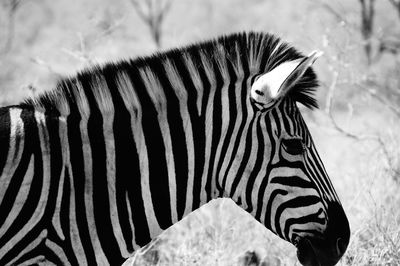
298	213
316	177
133	104
237	162
58	251
14	153
250	163
56	220
106	107
207	66
20	200
84	111
129	207
158	97
263	172
88	165
29	248
180	92
76	242
222	68
198	85
39	210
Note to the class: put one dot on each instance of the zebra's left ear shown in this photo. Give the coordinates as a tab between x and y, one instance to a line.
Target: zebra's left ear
276	83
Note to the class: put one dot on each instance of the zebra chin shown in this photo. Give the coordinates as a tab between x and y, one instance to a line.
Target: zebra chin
328	249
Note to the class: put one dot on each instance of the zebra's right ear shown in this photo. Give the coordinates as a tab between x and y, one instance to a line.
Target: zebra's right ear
275	84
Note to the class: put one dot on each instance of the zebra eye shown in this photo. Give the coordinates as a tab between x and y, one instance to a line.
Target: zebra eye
293	146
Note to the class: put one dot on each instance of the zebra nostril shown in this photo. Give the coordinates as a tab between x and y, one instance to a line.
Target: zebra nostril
340	246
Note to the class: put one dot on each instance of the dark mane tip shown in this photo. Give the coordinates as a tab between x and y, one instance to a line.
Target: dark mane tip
304	91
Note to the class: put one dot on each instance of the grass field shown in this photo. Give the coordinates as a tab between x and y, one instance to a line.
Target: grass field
40	41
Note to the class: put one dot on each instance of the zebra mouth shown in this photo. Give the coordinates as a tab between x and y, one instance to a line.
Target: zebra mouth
305	252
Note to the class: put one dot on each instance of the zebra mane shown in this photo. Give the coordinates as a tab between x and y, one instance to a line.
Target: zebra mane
244	53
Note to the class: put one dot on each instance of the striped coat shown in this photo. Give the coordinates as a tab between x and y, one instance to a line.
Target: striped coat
96	167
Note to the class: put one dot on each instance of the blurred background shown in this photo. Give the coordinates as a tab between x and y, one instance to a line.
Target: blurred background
356	129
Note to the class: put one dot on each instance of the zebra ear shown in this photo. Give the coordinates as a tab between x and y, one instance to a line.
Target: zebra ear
276	83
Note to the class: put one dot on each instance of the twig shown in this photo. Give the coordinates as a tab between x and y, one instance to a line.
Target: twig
396	4
367	25
80	54
376	138
12	6
153	12
381	99
338	16
46	65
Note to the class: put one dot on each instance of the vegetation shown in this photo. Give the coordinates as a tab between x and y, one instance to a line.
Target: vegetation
355	130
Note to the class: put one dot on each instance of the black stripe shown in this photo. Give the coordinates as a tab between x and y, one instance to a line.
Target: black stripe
257	166
52	127
244	99
217	124
101	204
319	173
241	134
297	202
289	117
264	182
268	216
159	183
311	218
31	148
198	131
244	160
5	127
127	171
200	139
292	181
229	137
78	175
284	117
158	171
65	210
277	121
40	250
297	124
142	233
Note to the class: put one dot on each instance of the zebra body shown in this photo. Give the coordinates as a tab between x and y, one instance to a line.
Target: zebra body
95	168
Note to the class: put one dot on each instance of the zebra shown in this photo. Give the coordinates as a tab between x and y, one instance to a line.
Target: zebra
95	168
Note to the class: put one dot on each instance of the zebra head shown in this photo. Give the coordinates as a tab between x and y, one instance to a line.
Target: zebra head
297	200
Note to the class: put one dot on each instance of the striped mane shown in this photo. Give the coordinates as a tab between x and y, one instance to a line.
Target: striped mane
241	53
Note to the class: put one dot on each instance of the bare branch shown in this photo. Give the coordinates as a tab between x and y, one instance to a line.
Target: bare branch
337	15
152	13
396	4
12	6
140	11
358	137
40	62
82	53
367	25
384	101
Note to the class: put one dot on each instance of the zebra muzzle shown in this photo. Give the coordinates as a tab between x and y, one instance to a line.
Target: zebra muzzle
305	252
319	252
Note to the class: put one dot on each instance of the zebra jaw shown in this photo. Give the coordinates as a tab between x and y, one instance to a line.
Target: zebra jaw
275	84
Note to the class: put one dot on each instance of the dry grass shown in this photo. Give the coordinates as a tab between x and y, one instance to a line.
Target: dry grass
219	233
